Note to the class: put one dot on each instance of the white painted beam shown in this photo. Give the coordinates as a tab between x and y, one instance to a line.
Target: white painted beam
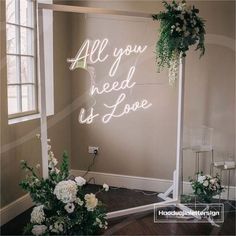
93	10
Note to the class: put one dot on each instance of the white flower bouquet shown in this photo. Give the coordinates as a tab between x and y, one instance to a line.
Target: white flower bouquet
62	206
205	187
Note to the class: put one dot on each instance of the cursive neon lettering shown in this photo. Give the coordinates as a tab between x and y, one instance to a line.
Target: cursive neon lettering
83	53
118	54
89	119
78	56
107	88
127	108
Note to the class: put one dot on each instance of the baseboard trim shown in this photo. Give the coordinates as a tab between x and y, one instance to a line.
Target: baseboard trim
23	203
15	208
142	183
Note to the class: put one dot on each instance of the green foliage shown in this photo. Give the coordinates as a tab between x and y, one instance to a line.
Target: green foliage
64	173
180	28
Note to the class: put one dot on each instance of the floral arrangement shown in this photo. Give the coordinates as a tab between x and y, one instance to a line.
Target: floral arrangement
180	27
62	207
205	187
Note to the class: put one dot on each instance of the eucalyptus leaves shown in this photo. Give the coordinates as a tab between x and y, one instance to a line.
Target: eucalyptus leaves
180	28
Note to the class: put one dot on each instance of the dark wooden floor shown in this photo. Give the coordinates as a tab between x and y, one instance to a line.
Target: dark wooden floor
139	224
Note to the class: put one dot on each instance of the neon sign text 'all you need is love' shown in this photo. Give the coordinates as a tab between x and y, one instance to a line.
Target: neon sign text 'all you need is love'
94	52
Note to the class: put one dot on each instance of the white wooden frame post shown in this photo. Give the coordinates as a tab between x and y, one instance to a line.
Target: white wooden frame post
176	188
42	91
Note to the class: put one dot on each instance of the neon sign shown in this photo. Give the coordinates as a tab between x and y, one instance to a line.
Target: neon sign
94	52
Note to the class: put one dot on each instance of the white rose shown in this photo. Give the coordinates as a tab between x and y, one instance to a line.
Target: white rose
39	229
69	207
105	187
80	181
213	181
205	183
201	179
37	215
66	191
91	201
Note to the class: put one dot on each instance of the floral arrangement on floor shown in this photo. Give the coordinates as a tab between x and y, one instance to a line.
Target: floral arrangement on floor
62	207
180	28
205	187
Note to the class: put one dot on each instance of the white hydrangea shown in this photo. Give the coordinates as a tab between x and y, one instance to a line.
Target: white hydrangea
37	215
80	181
66	191
91	201
39	229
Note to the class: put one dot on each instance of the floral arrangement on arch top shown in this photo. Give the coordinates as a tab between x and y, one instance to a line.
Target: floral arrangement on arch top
180	28
62	206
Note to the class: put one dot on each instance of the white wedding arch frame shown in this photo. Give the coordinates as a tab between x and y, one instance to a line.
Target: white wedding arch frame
176	187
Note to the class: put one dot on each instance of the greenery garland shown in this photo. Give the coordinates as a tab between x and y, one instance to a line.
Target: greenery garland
180	28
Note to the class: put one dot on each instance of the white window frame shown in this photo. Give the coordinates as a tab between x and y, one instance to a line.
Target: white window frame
19	55
49	70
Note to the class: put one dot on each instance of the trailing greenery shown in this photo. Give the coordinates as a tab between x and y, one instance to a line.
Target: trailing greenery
62	206
180	28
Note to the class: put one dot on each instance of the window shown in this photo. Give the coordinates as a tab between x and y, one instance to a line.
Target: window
21	58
